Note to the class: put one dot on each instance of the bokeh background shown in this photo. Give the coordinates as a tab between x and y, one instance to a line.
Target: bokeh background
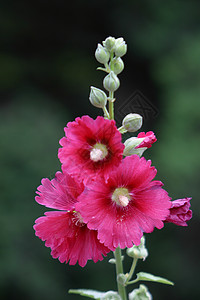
47	65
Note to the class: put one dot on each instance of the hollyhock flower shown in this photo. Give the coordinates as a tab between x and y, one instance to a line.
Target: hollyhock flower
90	146
126	205
149	139
64	231
180	212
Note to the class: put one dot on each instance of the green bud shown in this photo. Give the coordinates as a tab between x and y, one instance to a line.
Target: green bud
120	47
97	97
121	278
101	54
111	82
118	65
130	145
140	294
110	295
139	252
132	122
109	43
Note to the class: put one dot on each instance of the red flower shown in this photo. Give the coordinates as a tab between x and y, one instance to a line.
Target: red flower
64	231
90	147
180	212
149	139
126	205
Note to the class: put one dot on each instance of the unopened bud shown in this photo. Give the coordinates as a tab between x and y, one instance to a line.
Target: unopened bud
132	122
120	47
140	294
118	65
122	278
111	82
109	43
111	295
97	97
131	144
101	54
139	252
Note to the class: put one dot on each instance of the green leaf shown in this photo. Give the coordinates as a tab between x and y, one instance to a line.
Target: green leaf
88	293
149	277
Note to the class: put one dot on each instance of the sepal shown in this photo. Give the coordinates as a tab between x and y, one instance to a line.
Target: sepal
140	294
139	252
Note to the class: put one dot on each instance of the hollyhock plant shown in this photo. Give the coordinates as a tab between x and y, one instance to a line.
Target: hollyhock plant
90	146
104	202
127	205
64	231
180	212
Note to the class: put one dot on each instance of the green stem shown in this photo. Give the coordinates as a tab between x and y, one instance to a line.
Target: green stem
134	263
106	113
122	129
119	270
111	105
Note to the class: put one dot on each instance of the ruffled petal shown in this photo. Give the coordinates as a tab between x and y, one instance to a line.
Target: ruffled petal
70	240
60	192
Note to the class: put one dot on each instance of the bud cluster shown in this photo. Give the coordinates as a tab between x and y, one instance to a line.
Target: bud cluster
109	54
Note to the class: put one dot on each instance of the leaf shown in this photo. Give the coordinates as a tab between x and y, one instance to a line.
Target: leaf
149	277
88	293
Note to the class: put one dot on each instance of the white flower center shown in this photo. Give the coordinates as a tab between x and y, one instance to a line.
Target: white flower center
121	196
98	152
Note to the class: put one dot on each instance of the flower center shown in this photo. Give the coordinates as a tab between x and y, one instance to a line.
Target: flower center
77	219
98	152
121	196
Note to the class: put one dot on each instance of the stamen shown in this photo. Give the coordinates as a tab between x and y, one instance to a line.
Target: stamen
121	196
96	154
123	200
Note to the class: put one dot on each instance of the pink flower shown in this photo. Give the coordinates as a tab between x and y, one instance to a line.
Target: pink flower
126	205
149	139
90	146
64	231
180	212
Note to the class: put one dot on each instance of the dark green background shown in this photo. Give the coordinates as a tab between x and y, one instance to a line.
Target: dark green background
47	65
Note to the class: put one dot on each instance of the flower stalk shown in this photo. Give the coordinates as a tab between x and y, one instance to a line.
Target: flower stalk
119	270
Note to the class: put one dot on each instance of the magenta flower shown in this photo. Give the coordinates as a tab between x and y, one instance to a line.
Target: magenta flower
126	205
180	212
149	139
64	231
90	146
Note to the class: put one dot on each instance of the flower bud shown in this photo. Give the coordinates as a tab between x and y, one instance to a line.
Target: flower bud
130	146
139	252
140	294
132	122
180	212
109	43
111	82
120	47
97	97
122	278
101	54
110	295
118	65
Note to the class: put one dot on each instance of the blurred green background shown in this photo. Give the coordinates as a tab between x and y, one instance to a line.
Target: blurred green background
47	65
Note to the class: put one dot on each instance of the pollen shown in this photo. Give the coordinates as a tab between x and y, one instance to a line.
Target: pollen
121	196
98	152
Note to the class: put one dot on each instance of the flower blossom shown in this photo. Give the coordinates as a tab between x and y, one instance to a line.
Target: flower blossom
126	205
180	212
149	139
90	147
64	231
